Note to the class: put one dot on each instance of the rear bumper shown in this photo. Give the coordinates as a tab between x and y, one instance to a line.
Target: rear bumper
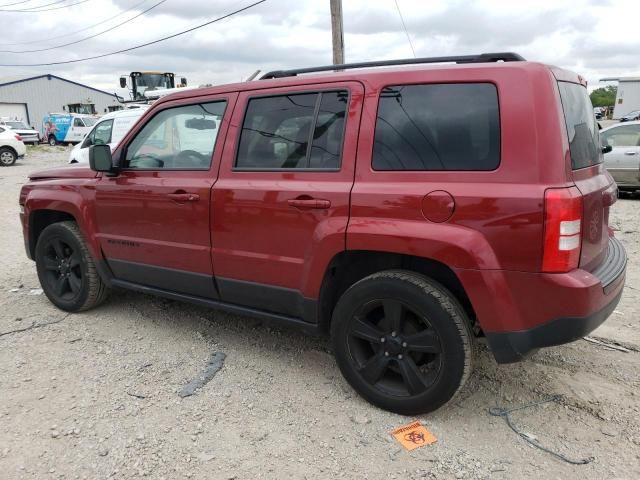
509	347
526	311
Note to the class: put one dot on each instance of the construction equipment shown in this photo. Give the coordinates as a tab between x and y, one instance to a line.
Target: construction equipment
142	84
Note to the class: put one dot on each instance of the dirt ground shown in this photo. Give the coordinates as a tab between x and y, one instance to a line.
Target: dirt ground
95	395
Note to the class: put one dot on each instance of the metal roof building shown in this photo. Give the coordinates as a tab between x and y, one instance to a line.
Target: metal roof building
30	99
628	97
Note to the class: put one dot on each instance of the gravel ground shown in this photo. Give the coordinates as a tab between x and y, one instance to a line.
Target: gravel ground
97	394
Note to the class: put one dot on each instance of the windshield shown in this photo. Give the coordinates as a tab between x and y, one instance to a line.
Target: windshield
89	122
151	81
632	114
584	139
17	125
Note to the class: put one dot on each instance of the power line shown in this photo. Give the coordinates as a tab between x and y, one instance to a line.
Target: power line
405	29
47	9
15	3
86	38
27	9
124	50
78	31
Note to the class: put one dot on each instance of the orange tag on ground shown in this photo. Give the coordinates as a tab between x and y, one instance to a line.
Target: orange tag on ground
413	436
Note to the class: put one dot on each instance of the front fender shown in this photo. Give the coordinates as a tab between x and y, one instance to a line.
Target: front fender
453	245
73	200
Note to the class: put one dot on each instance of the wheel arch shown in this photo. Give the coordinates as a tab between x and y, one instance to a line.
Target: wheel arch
41	219
350	266
9	147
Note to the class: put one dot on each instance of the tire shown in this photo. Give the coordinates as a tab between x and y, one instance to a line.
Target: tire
66	270
402	341
52	140
7	157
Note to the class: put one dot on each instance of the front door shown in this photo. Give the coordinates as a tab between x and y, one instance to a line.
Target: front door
281	202
153	217
623	161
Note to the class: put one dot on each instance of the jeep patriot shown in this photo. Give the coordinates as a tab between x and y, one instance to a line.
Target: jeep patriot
405	210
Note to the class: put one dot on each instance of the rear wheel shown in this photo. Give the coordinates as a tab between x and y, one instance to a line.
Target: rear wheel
402	341
66	270
7	157
52	140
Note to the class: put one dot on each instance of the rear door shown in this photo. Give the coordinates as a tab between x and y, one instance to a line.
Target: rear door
595	184
281	202
623	162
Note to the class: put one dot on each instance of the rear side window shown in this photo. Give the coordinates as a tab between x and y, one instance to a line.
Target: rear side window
582	131
438	127
297	131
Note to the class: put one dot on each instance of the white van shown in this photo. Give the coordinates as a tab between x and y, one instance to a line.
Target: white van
66	127
109	130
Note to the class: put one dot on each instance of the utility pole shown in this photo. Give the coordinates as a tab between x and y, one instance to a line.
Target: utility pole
337	32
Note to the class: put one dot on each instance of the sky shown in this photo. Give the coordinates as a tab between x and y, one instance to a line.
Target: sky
597	38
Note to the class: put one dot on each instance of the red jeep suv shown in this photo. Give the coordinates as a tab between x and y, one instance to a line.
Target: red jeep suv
407	210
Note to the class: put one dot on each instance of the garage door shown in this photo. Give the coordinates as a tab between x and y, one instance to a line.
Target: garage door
13	111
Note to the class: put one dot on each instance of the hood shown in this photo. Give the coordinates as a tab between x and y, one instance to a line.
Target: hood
71	171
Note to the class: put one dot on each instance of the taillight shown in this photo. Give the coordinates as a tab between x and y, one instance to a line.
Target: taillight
562	227
18	137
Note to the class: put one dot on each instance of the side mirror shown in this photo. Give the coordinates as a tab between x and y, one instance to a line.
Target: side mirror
100	158
183	81
606	148
123	82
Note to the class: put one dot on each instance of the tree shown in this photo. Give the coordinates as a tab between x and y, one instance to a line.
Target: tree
604	97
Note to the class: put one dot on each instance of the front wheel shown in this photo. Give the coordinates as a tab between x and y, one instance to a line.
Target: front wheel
66	270
402	341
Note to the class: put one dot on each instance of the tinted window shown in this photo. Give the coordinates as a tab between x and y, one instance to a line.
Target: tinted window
277	131
437	127
582	131
329	130
177	138
623	136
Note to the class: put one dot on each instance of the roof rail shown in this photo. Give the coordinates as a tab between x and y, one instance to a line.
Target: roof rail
481	58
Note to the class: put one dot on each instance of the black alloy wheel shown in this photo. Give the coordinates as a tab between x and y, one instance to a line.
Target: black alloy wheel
402	341
62	264
66	270
394	348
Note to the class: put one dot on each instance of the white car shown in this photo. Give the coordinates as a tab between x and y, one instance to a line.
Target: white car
623	161
28	134
109	130
11	147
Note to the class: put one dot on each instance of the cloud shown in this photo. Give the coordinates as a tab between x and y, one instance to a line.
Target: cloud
590	36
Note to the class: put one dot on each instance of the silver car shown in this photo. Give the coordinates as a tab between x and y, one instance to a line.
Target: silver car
623	161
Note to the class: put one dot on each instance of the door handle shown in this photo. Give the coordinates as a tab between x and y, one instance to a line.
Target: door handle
631	152
307	203
181	197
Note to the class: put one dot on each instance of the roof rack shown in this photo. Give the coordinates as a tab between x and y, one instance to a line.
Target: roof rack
481	58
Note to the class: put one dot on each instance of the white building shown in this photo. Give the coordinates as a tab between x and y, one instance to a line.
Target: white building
628	98
30	99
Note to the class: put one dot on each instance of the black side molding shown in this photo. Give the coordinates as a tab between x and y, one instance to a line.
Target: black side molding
272	318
